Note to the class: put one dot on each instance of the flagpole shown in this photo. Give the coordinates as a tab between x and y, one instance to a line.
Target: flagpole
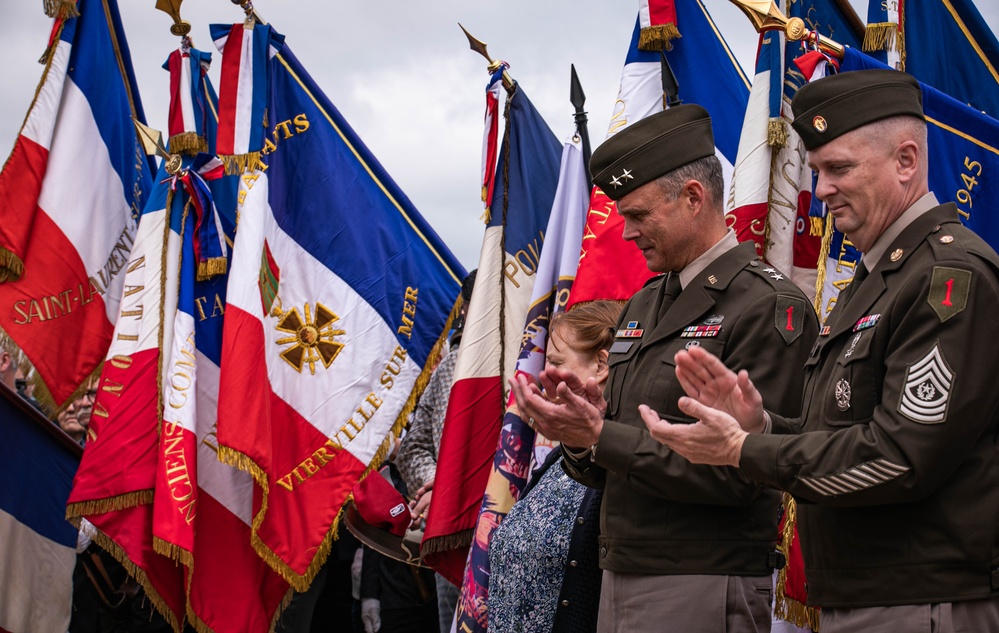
494	64
578	99
765	16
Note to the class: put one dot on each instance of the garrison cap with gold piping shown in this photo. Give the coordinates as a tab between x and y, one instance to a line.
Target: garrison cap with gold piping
650	148
832	106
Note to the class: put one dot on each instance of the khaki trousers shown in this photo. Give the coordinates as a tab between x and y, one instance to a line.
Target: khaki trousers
973	616
634	603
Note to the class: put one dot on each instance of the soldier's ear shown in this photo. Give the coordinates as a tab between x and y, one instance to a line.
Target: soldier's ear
693	194
907	159
602	367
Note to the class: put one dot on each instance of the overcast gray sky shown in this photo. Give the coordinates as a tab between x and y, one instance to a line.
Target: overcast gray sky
402	74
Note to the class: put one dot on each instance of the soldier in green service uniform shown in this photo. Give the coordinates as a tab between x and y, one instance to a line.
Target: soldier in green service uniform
894	460
683	547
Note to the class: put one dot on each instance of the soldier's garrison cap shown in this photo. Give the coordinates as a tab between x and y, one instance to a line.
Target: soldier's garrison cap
832	106
650	148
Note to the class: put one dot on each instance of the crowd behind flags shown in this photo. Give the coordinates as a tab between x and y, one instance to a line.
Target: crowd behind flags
325	355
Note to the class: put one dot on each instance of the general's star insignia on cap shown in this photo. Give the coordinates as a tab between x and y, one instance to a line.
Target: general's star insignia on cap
769	270
896	254
819	123
614	181
946	239
627	175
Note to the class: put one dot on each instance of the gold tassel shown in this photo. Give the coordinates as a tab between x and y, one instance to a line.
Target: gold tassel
11	266
658	38
447	543
487	216
881	36
213	267
63	9
820	278
189	143
243	163
816	227
75	511
785	607
777	133
173	551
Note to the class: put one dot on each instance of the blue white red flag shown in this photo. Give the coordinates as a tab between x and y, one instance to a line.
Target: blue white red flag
190	120
609	267
504	284
556	269
246	48
490	136
70	195
37	544
944	43
772	186
338	301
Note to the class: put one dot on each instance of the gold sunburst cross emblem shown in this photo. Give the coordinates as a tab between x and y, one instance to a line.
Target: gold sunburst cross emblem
312	341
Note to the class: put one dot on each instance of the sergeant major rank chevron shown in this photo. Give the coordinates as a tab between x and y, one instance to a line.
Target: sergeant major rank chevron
926	389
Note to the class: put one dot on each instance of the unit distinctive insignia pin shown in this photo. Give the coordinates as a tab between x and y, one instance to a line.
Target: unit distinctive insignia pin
712	280
926	389
313	340
868	321
896	254
819	123
843	394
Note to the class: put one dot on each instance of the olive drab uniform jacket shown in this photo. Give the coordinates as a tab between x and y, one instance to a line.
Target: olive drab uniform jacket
661	514
897	472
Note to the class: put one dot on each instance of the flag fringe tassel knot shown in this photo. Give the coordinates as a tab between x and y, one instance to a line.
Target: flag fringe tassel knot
242	163
658	37
786	607
61	9
189	143
777	133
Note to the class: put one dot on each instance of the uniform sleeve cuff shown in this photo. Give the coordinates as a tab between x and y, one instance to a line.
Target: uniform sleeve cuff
758	460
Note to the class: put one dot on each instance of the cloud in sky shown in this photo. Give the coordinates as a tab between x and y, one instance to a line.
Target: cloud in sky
402	74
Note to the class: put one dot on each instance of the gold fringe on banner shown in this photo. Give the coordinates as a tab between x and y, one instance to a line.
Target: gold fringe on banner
243	163
457	540
11	266
820	277
816	227
213	267
108	545
61	9
777	133
173	551
882	36
785	607
74	511
188	143
658	38
227	455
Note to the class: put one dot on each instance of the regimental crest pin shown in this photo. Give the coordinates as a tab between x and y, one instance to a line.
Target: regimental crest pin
312	340
926	388
820	124
843	394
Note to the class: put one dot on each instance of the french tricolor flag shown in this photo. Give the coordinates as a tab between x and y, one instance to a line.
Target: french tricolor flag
70	195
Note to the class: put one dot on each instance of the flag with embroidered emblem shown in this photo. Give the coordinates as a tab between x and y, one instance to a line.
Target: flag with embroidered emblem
70	195
944	43
331	323
511	465
527	176
609	267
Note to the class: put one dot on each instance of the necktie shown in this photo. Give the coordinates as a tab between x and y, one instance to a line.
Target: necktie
672	291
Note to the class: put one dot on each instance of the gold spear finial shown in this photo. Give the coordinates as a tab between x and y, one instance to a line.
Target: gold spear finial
494	65
765	16
180	27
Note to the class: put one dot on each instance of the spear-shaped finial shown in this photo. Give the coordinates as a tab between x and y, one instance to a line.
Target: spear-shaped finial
765	16
180	27
578	99
494	65
671	88
152	143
